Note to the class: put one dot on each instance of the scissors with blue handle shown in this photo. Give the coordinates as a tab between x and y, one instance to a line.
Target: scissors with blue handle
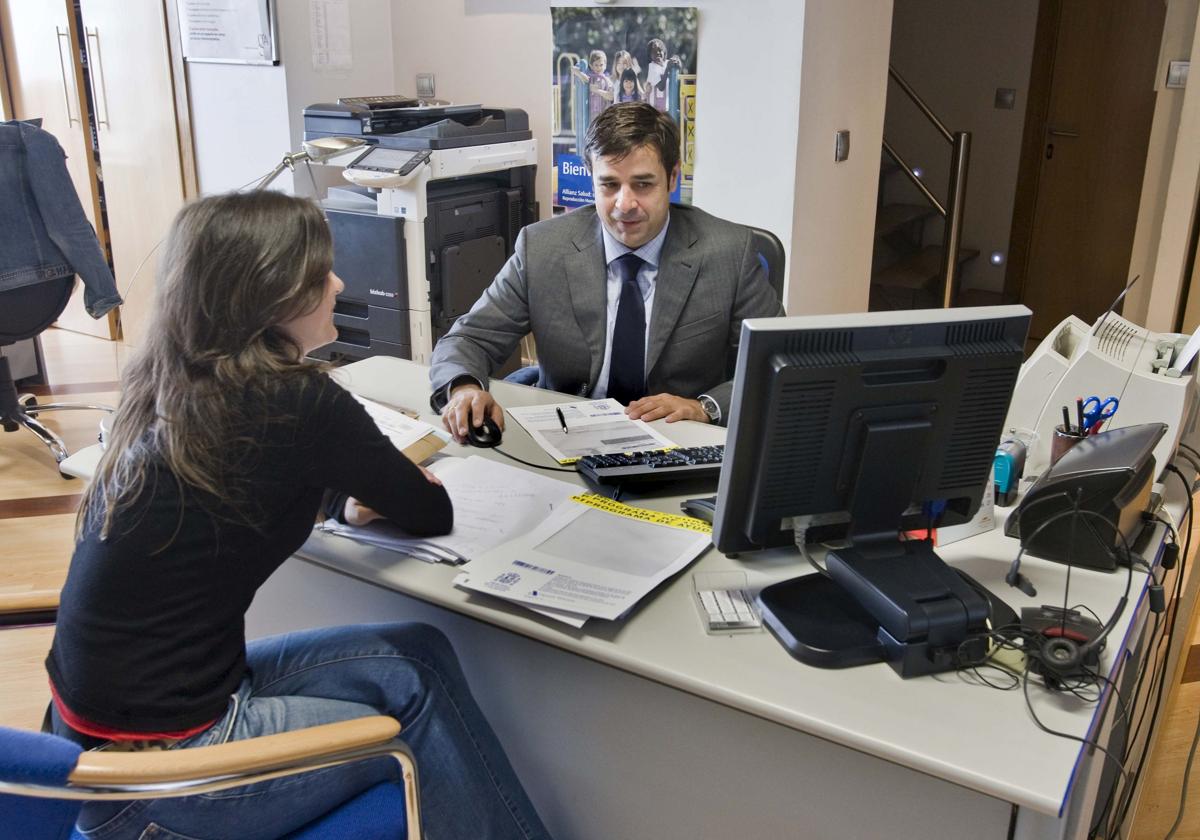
1097	411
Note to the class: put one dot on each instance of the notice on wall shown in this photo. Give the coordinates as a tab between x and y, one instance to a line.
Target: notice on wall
605	56
329	34
228	31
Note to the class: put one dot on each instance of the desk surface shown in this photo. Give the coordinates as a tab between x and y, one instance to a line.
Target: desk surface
969	734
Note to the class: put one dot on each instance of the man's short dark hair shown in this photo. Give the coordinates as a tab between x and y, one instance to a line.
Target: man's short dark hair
619	129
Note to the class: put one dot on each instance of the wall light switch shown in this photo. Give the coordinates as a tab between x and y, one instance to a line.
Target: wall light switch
1177	74
1006	98
841	146
425	87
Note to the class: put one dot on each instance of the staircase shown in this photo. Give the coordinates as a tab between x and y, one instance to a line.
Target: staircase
906	272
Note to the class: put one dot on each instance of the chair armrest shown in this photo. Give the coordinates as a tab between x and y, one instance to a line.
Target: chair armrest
36	607
101	769
37	599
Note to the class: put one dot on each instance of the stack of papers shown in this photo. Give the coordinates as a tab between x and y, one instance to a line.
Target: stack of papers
592	557
570	430
492	503
415	438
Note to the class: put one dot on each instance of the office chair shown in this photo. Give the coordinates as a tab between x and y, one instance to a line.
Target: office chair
44	779
24	313
770	256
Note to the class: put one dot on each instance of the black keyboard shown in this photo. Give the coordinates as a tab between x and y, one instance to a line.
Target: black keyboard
651	467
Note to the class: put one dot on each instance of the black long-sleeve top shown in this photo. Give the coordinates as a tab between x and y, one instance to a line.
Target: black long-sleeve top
150	634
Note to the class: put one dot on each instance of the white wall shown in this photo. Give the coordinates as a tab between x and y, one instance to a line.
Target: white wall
246	117
750	124
239	123
842	86
955	54
500	59
777	79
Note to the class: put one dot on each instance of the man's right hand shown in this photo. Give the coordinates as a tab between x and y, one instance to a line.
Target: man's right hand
468	406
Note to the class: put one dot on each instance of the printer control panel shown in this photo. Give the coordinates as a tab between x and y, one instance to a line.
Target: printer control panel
379	167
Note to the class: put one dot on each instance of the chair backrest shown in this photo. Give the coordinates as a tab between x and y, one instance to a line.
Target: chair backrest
33	758
770	254
27	310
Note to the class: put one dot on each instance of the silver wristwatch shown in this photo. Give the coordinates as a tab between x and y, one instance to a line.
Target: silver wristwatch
710	408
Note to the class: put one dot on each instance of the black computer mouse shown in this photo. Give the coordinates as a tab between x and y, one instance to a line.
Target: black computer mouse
484	436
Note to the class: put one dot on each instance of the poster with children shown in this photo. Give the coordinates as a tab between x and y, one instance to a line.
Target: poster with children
608	55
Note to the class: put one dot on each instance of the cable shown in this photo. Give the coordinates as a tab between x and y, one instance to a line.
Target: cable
1067	735
531	464
1168	638
1187	772
1191	459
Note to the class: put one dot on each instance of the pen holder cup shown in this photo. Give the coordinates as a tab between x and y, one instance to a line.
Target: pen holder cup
1063	440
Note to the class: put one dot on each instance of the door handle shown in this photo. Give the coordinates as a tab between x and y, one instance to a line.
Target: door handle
96	70
62	66
1057	132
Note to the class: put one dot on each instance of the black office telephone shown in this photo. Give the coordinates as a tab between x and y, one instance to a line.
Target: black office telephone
396	100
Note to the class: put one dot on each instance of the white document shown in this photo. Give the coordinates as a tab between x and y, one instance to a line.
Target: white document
571	619
587	560
402	430
593	427
329	35
492	503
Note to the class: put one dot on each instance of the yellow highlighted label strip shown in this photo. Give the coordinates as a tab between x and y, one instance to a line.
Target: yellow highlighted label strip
672	520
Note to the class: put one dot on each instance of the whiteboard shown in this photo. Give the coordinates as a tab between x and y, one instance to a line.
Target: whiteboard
228	31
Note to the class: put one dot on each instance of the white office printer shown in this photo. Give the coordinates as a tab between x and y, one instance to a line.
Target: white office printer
1114	358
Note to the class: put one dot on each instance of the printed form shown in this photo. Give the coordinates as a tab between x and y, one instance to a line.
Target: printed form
568	431
591	558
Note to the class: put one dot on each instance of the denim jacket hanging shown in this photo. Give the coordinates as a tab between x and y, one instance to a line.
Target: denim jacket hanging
44	233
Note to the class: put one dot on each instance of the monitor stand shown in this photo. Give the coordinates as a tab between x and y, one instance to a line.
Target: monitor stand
927	609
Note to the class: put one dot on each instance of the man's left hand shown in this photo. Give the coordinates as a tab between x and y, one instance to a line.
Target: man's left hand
666	405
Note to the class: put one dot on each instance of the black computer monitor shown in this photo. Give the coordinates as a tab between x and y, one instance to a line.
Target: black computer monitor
860	428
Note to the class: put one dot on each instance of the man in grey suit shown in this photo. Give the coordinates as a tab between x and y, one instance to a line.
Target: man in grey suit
632	298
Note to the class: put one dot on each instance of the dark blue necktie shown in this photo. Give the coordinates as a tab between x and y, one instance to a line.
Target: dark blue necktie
627	364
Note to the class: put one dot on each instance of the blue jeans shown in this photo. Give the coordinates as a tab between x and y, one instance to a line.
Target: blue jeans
408	671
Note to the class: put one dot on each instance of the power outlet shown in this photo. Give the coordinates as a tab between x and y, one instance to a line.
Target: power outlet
425	86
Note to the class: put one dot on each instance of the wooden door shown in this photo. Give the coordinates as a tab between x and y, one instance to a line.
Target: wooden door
46	81
1094	142
139	142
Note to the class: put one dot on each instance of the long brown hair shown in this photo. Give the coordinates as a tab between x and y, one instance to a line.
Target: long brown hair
234	268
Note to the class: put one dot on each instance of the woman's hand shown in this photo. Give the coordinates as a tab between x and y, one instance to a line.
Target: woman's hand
356	513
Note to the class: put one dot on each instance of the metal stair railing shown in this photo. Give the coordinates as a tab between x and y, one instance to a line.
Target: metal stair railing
952	210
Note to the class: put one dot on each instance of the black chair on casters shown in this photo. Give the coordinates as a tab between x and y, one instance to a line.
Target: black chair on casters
24	313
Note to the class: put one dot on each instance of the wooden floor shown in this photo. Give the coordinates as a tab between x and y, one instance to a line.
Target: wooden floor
37	519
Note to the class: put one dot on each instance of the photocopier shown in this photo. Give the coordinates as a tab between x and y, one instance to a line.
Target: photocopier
435	200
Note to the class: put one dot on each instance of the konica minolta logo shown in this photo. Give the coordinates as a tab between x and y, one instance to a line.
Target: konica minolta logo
382	293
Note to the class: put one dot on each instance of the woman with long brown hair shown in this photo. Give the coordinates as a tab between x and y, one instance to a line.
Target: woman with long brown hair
226	445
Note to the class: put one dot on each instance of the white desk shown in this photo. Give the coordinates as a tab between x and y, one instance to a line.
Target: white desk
649	728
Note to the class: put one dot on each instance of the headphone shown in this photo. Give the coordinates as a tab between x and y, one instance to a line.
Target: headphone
1060	656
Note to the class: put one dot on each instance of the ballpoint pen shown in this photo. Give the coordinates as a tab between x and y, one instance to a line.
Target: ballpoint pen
562	421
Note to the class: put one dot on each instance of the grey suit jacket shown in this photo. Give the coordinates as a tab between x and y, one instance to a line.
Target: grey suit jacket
554	286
